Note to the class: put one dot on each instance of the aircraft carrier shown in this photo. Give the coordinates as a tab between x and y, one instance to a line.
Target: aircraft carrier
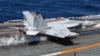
86	44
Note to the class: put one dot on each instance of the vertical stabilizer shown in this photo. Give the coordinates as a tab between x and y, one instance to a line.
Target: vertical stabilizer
39	20
29	18
34	20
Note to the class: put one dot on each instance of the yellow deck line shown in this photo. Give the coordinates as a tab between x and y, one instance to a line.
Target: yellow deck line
74	49
80	48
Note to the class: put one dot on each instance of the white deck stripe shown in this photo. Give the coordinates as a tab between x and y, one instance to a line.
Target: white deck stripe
52	54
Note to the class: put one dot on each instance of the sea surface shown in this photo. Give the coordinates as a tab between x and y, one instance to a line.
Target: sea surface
12	9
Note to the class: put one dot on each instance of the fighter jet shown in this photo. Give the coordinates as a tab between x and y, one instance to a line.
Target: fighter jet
35	25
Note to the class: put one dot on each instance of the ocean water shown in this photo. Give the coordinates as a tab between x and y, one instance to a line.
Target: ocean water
12	9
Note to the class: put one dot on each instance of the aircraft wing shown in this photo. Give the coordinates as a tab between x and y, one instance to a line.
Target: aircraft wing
67	24
60	31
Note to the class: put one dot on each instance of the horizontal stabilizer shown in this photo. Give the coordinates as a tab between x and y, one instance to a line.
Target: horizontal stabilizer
32	32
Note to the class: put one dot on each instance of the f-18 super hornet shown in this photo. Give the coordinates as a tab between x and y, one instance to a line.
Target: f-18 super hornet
35	25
